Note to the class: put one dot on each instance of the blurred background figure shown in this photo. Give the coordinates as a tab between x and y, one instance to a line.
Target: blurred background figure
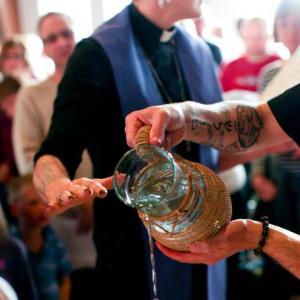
287	32
215	50
9	88
276	178
13	62
31	124
242	73
47	256
14	267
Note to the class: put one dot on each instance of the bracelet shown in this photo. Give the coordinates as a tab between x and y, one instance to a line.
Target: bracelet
264	235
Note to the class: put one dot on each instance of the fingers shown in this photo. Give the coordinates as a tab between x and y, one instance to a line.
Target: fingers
61	202
132	126
106	182
94	187
157	117
159	125
77	192
185	257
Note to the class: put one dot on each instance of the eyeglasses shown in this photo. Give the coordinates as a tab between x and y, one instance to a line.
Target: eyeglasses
52	38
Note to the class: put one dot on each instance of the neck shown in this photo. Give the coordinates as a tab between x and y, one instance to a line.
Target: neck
161	17
256	57
58	74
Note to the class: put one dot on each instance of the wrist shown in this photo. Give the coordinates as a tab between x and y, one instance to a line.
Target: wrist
253	234
188	112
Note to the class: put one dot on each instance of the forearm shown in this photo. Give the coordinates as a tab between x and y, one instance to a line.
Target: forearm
48	169
232	126
282	245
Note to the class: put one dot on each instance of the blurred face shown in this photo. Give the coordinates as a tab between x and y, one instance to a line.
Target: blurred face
31	208
58	39
186	8
288	31
8	105
255	38
13	61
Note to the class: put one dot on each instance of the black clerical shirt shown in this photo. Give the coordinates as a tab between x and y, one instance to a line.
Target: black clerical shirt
89	76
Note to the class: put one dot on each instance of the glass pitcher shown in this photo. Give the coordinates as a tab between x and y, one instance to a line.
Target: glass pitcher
183	202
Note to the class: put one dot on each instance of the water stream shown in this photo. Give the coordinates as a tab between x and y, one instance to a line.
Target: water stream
152	259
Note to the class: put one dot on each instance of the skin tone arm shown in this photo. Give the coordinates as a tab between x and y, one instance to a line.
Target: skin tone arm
233	128
230	127
282	245
52	182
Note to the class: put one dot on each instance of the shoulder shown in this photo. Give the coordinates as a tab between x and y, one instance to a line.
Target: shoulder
273	57
268	72
236	63
272	67
88	48
88	64
14	247
36	89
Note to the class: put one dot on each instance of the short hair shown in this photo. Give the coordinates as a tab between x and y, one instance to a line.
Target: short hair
51	14
261	23
7	45
285	8
8	86
15	186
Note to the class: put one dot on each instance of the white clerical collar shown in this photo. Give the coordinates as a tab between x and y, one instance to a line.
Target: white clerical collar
167	35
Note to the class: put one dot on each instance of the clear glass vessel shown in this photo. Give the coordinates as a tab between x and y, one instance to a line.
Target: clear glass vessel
182	201
153	182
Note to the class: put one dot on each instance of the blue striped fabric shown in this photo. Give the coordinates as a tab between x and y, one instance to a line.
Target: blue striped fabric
49	266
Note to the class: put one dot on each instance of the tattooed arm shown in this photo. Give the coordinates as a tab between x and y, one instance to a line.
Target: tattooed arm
58	191
227	126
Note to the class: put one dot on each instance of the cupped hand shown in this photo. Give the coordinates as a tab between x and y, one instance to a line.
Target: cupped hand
232	239
63	193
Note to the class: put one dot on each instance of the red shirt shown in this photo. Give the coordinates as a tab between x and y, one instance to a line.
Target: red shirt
243	74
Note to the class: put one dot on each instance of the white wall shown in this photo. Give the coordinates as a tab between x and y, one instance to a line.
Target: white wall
98	11
28	14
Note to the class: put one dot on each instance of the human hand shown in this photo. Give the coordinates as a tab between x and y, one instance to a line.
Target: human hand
234	238
63	193
167	121
265	188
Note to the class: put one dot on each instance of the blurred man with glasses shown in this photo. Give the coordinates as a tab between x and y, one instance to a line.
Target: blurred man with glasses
31	124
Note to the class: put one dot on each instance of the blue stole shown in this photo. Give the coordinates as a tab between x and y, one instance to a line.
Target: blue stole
137	89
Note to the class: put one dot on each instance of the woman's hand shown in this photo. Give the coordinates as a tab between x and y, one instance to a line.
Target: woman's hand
63	193
52	183
234	238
